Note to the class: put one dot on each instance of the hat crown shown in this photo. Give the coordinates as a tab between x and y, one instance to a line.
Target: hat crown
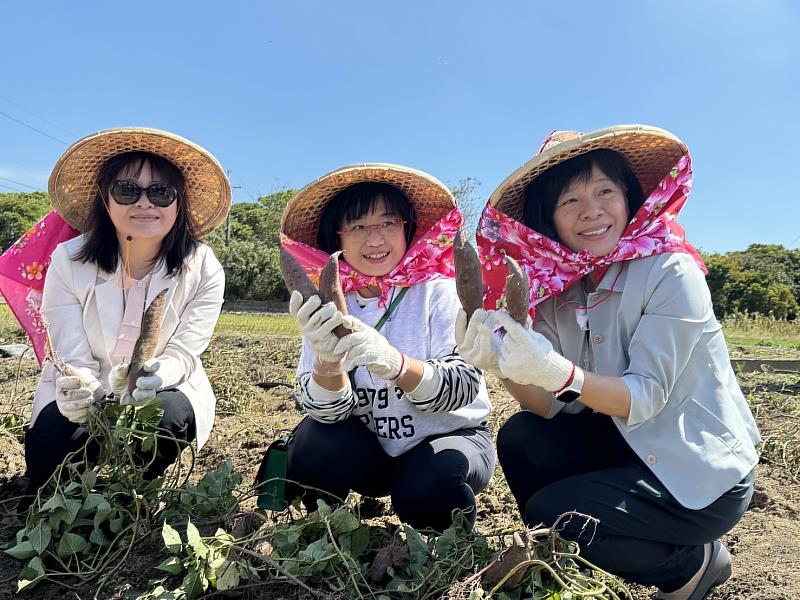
559	136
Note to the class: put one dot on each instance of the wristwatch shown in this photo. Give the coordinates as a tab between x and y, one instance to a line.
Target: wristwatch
573	388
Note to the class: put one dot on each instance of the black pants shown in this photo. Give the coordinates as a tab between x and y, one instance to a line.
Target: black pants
582	463
52	437
426	483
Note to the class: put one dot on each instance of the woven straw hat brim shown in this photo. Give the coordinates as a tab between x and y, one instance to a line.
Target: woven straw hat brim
430	197
72	184
651	153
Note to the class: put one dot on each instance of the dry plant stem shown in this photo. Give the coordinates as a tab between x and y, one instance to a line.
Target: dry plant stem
138	500
330	289
146	343
268	560
517	292
345	560
468	274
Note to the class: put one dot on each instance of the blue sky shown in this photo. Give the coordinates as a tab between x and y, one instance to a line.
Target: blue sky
283	92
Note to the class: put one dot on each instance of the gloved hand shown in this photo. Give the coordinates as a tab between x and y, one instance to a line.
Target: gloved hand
366	347
476	342
317	325
76	392
118	379
146	385
528	358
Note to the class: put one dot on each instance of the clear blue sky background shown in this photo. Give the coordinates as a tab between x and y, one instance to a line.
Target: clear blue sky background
282	92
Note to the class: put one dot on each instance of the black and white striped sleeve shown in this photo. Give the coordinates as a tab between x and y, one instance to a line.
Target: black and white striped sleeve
450	384
323	405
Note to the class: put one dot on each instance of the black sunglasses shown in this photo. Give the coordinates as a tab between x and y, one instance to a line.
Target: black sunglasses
127	192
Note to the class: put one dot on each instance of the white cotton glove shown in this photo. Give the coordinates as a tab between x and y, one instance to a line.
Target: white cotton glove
118	379
76	393
317	325
146	386
366	347
528	358
477	343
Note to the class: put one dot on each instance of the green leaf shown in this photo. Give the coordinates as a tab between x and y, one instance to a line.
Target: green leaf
92	501
53	503
322	508
195	541
445	542
102	512
359	541
30	574
171	565
39	537
98	538
72	507
21	551
72	543
117	525
89	479
344	521
194	584
172	539
417	548
228	576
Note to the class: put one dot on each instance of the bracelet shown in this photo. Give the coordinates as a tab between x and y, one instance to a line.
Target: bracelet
402	370
569	381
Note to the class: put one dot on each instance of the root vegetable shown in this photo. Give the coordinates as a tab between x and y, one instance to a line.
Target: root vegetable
330	289
146	343
517	292
468	274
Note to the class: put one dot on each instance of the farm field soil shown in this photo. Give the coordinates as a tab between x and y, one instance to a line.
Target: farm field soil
765	545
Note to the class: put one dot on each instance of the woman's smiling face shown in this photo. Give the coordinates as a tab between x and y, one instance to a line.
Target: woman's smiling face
591	215
375	243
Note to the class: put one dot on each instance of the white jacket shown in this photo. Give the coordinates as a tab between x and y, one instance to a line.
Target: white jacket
84	308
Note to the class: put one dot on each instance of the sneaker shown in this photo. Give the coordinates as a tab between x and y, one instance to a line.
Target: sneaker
717	572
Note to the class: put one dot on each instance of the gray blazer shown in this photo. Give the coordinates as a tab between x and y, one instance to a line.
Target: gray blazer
654	326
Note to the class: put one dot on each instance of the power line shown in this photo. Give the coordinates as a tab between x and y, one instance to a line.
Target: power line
33	128
19	183
8	187
22	108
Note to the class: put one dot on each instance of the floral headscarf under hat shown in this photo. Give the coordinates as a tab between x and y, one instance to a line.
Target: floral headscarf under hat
22	272
552	267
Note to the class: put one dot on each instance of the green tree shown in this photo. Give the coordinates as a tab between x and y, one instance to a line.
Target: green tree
18	211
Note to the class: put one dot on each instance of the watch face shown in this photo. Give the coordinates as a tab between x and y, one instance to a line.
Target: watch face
568	396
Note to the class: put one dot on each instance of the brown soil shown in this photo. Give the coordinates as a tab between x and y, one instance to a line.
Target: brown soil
764	545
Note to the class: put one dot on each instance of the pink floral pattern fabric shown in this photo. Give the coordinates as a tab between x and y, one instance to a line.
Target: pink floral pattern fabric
552	267
23	268
428	257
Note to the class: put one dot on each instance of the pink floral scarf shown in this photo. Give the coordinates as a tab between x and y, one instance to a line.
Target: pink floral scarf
428	257
22	272
552	267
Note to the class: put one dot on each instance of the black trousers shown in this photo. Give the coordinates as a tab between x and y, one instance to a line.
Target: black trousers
52	437
581	462
441	473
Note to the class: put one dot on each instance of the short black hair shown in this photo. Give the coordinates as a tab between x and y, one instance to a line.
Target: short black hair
102	246
357	200
541	194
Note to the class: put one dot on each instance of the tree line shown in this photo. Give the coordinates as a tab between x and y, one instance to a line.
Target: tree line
763	279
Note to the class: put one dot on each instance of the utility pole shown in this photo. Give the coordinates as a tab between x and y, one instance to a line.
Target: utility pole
225	268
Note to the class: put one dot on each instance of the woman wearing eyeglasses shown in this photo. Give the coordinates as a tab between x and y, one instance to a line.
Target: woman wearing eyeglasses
392	409
141	200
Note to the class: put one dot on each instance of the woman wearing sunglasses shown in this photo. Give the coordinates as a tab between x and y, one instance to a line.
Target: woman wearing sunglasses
392	409
141	200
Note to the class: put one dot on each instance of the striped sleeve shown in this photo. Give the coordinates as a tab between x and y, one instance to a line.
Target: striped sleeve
324	405
458	385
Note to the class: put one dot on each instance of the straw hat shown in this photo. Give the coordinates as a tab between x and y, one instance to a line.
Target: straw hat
73	182
429	196
651	153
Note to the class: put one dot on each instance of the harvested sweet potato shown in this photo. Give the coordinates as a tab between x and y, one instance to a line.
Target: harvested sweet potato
330	289
517	292
295	277
468	274
146	343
